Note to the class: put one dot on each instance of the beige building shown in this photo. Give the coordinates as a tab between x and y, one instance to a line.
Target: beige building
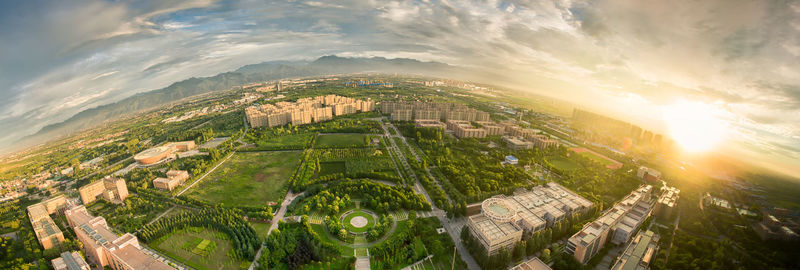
70	261
517	143
402	115
305	110
48	234
110	188
639	253
532	264
105	248
503	220
491	128
174	178
430	114
429	124
615	225
463	129
665	207
544	142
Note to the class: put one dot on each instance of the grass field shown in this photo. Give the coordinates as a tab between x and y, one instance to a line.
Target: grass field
323	236
358	213
597	158
333	167
341	140
248	179
261	229
563	164
295	141
199	248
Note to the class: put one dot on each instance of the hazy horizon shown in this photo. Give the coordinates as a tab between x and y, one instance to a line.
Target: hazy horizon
735	63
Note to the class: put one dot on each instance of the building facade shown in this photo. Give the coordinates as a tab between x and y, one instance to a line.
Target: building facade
105	248
615	225
109	188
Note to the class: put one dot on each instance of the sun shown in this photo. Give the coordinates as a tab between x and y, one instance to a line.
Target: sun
694	125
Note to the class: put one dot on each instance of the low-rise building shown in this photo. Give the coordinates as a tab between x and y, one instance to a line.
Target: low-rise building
105	248
502	219
463	129
532	264
70	261
512	160
517	143
648	174
665	206
46	231
174	178
110	188
639	253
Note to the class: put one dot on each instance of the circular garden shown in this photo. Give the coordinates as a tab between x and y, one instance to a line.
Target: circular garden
358	221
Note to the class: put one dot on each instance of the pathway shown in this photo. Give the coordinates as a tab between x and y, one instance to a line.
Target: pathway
205	174
453	227
277	217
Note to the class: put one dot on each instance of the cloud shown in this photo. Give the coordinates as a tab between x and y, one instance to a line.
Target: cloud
605	55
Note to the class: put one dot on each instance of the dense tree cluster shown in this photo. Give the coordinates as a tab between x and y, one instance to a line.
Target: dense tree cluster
293	245
376	196
326	202
244	239
381	226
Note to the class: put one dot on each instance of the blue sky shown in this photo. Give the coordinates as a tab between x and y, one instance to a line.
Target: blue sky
632	59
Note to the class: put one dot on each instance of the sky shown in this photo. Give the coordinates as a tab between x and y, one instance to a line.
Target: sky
639	60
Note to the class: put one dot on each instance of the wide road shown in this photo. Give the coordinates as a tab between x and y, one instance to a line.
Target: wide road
453	227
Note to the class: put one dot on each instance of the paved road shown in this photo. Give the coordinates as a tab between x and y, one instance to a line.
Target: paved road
453	227
277	217
205	174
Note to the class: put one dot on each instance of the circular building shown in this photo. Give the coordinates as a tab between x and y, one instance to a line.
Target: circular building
153	155
499	210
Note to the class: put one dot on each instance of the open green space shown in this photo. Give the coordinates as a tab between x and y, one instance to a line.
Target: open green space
334	167
344	140
248	179
199	248
597	158
358	213
563	164
324	237
262	229
293	141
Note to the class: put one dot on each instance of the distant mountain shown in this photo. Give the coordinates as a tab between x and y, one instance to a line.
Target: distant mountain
247	74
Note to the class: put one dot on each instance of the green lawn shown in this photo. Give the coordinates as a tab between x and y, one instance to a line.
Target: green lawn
331	168
190	246
261	229
563	164
358	213
248	179
320	230
294	141
598	159
344	140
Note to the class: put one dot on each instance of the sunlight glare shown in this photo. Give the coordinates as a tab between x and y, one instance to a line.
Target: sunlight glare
694	125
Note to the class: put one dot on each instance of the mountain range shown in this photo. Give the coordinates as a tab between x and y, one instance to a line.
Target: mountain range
265	71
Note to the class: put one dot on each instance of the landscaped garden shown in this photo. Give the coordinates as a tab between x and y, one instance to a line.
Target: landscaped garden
562	164
345	140
248	179
358	221
199	248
